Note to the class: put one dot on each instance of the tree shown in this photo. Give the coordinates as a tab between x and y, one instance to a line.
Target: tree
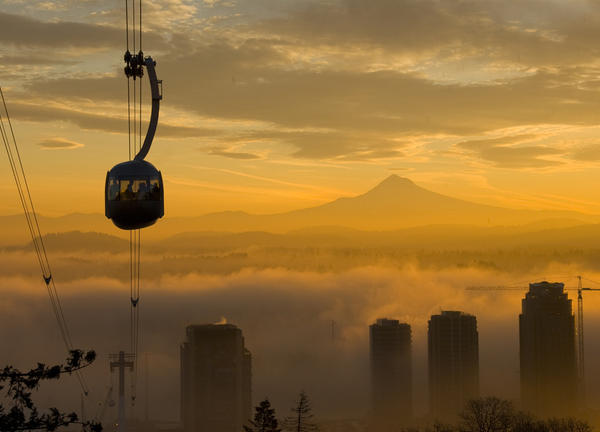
300	421
264	419
488	414
524	422
19	386
567	425
491	414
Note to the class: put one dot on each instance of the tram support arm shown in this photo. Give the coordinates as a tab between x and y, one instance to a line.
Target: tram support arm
155	87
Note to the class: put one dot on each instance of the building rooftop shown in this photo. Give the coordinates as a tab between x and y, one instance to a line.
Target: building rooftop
211	328
387	322
541	288
455	313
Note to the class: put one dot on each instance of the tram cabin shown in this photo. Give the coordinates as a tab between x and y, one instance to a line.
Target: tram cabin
134	195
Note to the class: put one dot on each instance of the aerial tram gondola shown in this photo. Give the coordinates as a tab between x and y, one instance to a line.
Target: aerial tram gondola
134	193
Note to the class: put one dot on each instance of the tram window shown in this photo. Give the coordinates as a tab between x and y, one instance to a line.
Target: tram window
113	189
126	190
133	190
140	189
154	193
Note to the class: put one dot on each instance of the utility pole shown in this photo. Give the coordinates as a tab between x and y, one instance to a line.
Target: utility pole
121	361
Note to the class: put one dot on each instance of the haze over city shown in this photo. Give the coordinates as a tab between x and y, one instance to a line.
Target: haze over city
326	166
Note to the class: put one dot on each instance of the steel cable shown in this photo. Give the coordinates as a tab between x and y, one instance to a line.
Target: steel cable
23	190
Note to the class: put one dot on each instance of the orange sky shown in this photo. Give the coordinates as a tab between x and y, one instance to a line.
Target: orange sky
273	105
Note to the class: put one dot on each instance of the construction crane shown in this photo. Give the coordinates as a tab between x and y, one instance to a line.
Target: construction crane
580	340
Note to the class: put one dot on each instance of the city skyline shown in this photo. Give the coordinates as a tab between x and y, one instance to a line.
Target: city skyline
453	363
489	338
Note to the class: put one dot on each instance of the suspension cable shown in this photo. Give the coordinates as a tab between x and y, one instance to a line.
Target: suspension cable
18	171
129	117
127	24
133	21
134	103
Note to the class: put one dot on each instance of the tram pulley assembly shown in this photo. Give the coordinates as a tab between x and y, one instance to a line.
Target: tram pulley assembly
134	192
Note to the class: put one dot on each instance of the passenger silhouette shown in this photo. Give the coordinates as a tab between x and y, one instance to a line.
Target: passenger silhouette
113	192
142	193
155	192
129	195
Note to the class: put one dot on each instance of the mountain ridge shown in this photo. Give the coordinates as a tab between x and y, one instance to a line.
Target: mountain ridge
394	203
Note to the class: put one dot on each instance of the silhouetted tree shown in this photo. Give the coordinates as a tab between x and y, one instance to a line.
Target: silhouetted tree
488	414
442	427
522	422
491	414
23	414
567	425
264	419
300	421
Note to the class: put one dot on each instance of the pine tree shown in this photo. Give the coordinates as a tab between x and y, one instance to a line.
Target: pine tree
300	421
264	419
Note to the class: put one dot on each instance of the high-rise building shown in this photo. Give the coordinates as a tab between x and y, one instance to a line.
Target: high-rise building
391	374
453	348
215	379
547	351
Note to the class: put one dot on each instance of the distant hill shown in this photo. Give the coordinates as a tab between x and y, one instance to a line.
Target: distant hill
13	228
75	241
431	237
394	204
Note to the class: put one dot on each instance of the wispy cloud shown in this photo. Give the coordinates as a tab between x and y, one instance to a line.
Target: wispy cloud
513	151
217	151
59	144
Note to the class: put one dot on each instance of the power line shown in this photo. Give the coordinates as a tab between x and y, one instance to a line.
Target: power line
20	178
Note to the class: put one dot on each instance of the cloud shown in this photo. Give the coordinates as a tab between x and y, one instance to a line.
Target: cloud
369	155
557	34
24	31
59	144
340	114
21	30
92	121
36	59
503	151
319	110
486	143
586	153
521	157
218	151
